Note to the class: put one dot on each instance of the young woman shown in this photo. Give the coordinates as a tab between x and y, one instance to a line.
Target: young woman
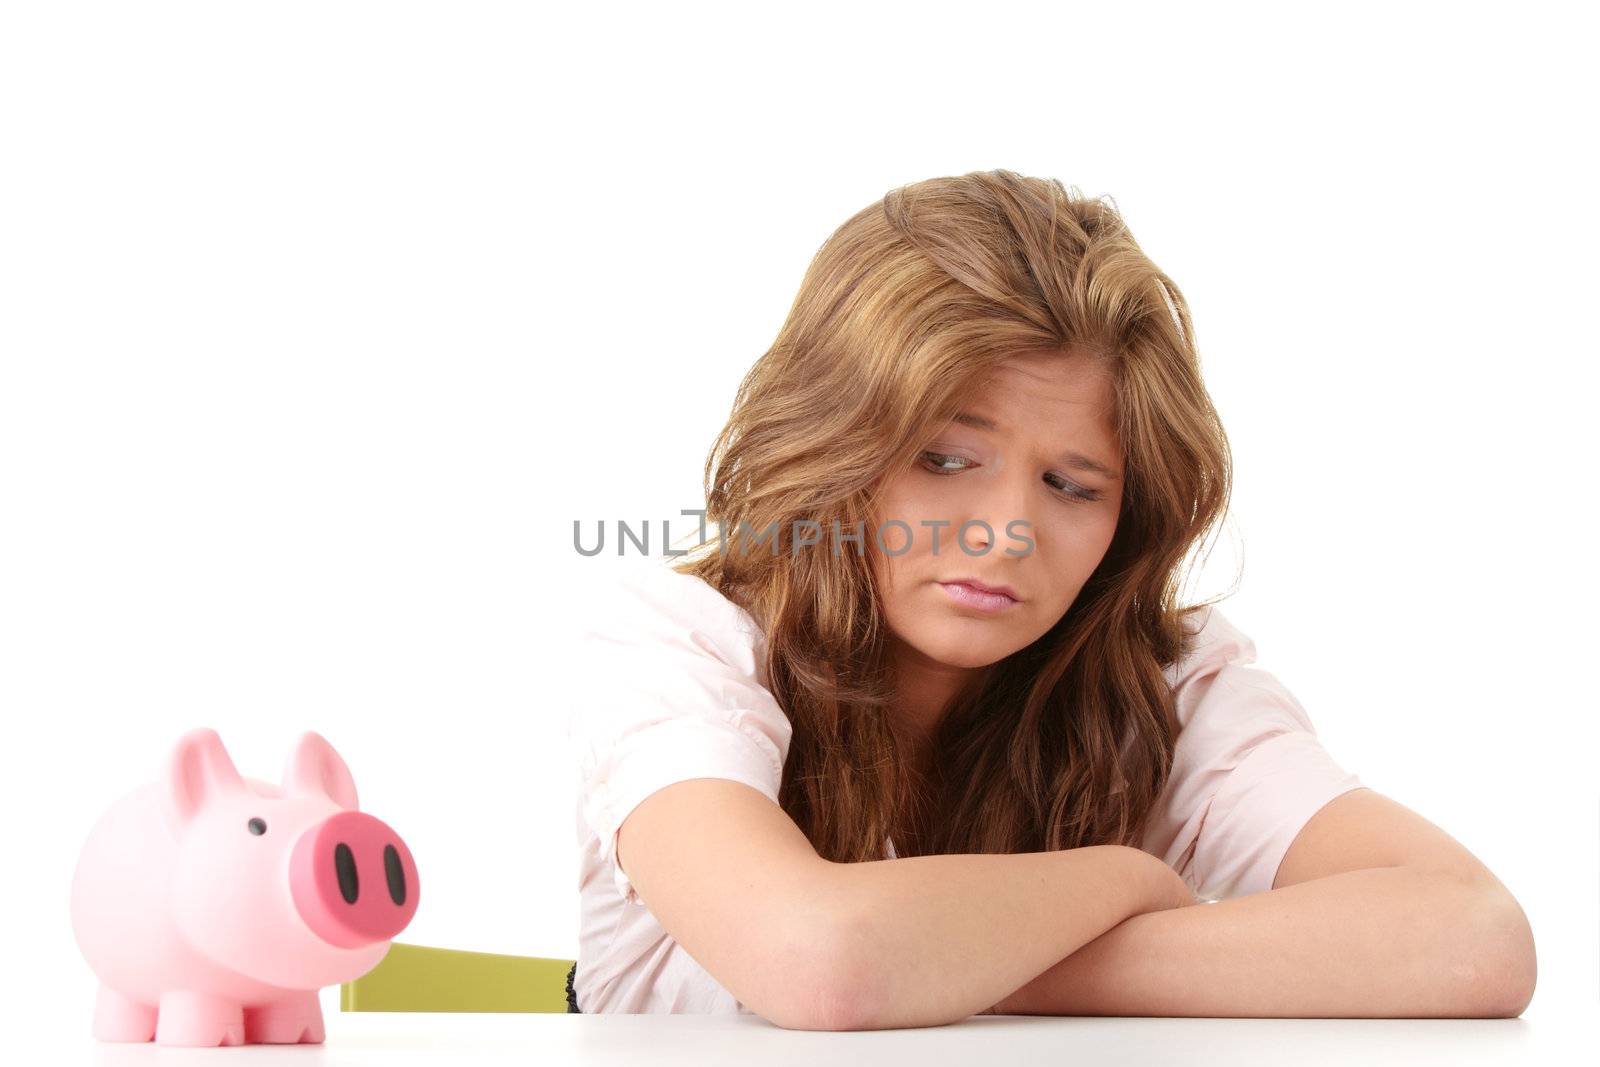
828	778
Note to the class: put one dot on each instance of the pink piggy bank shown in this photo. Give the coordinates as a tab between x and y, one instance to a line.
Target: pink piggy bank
214	907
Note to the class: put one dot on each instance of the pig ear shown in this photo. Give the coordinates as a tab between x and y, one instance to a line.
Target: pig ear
314	767
198	772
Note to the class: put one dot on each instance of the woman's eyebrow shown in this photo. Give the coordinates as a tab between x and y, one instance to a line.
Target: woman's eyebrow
1070	458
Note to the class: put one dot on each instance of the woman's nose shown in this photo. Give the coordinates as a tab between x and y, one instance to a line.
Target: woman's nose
1002	501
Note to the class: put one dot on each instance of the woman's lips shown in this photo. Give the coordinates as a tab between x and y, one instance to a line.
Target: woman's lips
971	597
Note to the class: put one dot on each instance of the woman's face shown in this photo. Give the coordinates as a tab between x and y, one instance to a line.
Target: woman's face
1019	456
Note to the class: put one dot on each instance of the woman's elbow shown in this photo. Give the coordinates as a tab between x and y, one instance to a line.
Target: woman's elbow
822	1007
1520	970
835	989
1503	968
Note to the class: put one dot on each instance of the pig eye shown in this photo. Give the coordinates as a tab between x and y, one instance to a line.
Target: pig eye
257	827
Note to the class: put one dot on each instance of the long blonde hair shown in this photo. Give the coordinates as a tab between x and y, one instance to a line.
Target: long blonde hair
915	298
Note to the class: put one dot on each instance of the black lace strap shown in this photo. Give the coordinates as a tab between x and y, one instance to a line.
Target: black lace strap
572	994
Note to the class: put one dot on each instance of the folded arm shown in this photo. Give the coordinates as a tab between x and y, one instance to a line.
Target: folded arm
1375	913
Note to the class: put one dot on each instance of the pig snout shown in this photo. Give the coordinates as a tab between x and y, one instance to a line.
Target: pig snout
353	880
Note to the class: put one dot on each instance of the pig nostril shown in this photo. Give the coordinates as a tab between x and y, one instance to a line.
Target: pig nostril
396	874
344	863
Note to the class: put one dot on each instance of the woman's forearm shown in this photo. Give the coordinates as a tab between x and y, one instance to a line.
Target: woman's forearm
1387	942
934	939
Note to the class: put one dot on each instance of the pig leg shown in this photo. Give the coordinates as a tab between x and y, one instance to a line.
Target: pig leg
314	1033
117	1018
284	1022
199	1020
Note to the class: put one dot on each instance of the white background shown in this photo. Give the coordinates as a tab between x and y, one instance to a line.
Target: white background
322	323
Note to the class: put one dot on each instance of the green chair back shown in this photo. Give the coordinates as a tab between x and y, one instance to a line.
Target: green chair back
419	978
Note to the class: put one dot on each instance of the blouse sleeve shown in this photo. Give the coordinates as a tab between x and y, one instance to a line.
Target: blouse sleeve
668	691
1248	769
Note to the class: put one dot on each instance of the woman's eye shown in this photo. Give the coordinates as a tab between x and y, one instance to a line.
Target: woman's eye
941	463
1076	492
941	459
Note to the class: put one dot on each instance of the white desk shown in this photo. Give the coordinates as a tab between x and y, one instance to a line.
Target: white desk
376	1039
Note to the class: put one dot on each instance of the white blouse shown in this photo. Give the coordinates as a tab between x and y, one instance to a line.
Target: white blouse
676	689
